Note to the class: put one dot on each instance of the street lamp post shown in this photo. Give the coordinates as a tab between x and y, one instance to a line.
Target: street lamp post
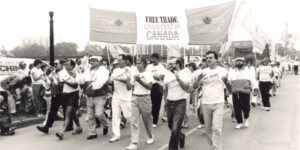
51	47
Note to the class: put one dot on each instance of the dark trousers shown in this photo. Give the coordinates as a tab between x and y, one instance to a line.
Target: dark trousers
241	104
175	113
156	98
264	88
200	115
56	102
296	70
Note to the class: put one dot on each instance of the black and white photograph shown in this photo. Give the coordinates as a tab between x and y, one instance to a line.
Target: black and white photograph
149	75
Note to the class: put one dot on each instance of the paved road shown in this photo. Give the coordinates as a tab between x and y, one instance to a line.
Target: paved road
278	129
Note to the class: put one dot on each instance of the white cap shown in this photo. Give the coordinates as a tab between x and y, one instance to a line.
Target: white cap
239	58
99	58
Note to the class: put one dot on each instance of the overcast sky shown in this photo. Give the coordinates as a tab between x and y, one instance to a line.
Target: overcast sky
29	18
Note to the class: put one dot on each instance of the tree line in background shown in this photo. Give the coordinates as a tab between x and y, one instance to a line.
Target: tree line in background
62	50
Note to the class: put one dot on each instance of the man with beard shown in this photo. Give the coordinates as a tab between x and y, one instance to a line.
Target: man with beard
243	83
96	78
177	89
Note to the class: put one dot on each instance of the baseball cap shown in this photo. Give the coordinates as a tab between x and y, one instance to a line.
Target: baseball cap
99	58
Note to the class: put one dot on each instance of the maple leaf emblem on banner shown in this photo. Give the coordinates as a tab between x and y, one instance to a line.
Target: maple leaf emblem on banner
118	22
207	20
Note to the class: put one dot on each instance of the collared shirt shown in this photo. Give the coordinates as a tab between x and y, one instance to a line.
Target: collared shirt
98	77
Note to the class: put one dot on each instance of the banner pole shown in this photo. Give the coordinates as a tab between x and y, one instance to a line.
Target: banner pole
108	57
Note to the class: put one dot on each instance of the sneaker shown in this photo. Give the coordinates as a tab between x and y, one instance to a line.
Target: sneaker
114	139
247	123
43	129
267	109
154	125
238	126
150	140
60	135
132	146
200	126
185	126
164	119
91	137
105	130
77	131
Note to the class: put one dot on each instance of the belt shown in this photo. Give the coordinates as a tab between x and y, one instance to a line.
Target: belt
144	95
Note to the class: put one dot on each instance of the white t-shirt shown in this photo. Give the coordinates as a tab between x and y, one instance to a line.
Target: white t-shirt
38	73
213	85
276	71
147	77
156	71
64	75
175	92
265	73
120	88
296	63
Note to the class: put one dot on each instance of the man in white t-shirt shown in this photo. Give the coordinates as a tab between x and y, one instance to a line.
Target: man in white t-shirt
177	92
213	80
70	97
158	71
141	104
122	96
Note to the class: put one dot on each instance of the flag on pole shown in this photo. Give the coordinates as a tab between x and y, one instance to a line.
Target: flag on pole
259	38
115	50
173	51
112	26
209	25
285	34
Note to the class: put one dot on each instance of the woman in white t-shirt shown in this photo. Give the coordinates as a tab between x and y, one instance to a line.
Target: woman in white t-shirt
265	74
37	81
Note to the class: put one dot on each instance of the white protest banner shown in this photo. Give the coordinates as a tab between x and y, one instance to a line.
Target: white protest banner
162	28
209	25
112	26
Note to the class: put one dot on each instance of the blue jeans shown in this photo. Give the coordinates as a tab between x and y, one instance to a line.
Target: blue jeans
175	113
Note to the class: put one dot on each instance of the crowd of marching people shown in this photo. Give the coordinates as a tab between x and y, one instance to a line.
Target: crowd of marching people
135	88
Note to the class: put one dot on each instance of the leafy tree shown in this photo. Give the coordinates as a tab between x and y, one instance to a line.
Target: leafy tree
93	49
30	51
65	49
